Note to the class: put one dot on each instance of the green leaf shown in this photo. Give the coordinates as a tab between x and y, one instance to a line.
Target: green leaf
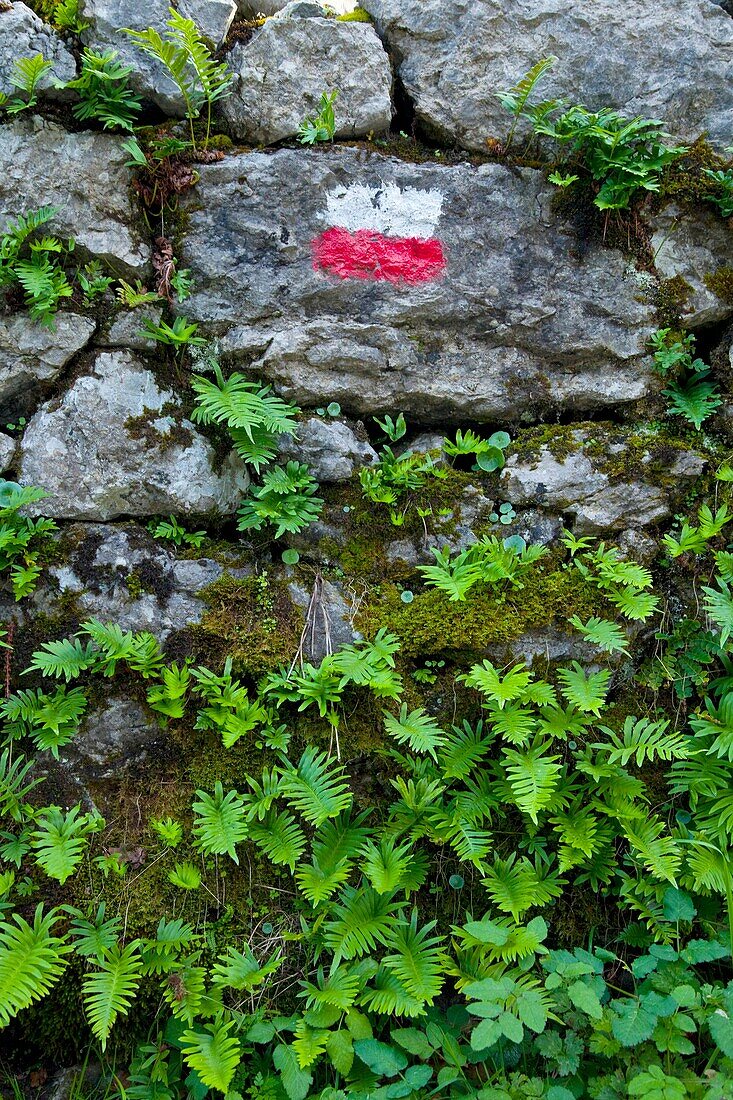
678	905
485	1034
414	1041
340	1049
213	1053
631	1023
721	1029
584	997
381	1059
295	1081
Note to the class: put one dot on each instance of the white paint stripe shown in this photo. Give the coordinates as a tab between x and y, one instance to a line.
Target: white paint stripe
401	212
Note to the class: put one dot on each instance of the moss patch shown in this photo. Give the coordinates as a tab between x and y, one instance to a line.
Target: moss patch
250	619
721	284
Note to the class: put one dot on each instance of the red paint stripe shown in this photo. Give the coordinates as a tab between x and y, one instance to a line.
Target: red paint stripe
367	254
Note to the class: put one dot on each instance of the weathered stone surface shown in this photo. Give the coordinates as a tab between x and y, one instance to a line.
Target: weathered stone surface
454	55
120	573
108	20
7	451
84	175
23	34
31	354
329	619
249	9
110	447
330	448
291	60
580	485
117	735
520	321
126	331
692	246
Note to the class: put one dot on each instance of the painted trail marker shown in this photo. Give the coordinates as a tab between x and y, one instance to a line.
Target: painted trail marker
382	234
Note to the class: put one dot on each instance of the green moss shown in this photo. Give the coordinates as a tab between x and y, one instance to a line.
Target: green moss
143	428
685	180
721	284
356	16
252	620
487	619
560	440
671	299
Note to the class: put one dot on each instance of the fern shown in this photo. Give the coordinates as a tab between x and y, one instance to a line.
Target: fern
517	97
189	63
316	788
533	776
337	990
94	937
240	969
248	409
171	938
417	729
51	720
417	959
719	607
60	839
26	76
66	659
462	750
644	740
384	864
717	722
606	635
14	785
659	854
109	991
515	885
286	499
695	399
359	922
31	961
497	687
585	690
220	822
213	1053
280	838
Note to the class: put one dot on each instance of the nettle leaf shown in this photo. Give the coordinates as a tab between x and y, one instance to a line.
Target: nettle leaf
584	997
295	1081
381	1058
631	1022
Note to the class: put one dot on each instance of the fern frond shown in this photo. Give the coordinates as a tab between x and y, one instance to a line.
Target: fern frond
385	864
220	822
212	1052
417	959
316	788
280	837
585	690
31	961
533	775
643	740
360	921
109	992
416	728
462	749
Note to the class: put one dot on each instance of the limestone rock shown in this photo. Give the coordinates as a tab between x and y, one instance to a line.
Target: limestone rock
330	448
111	447
23	34
7	451
581	486
692	246
250	9
85	177
519	319
126	331
329	619
116	736
291	60
108	20
31	354
454	55
120	573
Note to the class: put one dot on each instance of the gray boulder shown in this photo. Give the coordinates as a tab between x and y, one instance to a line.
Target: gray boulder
126	330
692	245
115	444
514	318
454	55
329	447
115	736
85	177
109	19
581	485
7	451
31	354
250	9
328	618
23	34
295	57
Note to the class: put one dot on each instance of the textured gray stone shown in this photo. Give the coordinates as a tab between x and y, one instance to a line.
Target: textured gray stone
82	174
31	354
108	20
330	448
328	618
23	34
291	60
118	734
249	9
577	486
126	331
97	463
120	573
519	322
671	60
7	451
692	245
